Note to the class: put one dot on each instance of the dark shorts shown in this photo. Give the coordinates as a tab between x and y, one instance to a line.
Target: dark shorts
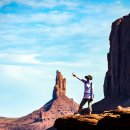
84	100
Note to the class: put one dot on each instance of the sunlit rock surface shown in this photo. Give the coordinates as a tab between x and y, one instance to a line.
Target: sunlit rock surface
117	119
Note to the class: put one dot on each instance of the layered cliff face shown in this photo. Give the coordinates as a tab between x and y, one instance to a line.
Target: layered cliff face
117	80
44	118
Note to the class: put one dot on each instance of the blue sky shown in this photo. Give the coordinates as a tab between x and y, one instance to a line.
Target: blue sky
38	37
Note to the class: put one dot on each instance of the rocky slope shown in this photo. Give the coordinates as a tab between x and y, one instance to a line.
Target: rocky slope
44	118
111	120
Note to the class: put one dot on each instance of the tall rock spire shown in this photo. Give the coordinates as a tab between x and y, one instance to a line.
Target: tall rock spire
60	85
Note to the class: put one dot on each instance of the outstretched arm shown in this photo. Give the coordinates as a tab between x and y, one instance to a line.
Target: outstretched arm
76	76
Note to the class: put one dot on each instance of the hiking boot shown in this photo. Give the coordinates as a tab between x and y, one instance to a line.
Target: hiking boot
76	113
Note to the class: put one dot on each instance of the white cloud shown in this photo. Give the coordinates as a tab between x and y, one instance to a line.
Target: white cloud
118	1
117	11
20	73
39	4
87	26
69	64
107	11
49	18
15	38
44	3
31	59
18	58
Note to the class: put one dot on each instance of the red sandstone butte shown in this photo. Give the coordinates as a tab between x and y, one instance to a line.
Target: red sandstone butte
44	118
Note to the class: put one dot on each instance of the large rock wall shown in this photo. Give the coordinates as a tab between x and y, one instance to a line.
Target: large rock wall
117	80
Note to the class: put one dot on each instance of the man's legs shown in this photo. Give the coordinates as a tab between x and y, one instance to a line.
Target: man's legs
82	104
89	107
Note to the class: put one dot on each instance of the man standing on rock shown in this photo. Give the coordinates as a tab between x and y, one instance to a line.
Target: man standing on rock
88	93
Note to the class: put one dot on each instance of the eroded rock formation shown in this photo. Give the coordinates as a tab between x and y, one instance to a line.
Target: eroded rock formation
117	80
60	86
44	118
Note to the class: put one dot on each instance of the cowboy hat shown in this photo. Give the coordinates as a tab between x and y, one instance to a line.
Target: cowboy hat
89	77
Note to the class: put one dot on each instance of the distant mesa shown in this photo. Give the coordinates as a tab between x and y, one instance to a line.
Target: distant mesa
44	118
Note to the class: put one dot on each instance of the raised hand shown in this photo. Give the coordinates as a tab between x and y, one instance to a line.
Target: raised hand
73	74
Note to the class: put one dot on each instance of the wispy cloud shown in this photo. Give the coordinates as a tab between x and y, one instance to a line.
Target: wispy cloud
53	17
43	3
31	59
18	58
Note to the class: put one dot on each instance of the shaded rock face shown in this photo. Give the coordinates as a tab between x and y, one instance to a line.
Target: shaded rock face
44	118
60	86
117	80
